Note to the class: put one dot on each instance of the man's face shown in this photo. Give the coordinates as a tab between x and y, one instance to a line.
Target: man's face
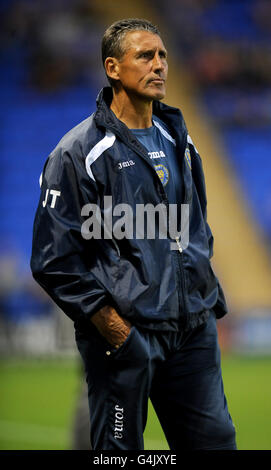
143	68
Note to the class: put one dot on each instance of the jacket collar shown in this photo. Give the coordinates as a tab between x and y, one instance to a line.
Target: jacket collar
104	117
172	116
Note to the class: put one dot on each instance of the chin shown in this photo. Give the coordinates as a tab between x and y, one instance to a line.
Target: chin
160	95
156	95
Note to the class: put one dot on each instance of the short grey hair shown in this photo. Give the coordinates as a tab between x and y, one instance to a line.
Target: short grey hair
112	42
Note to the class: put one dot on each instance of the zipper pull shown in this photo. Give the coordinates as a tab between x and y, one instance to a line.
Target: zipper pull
179	245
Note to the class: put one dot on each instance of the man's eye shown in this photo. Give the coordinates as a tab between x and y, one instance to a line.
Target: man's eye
146	55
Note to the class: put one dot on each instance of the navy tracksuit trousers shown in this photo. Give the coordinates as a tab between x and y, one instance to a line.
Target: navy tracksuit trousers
179	371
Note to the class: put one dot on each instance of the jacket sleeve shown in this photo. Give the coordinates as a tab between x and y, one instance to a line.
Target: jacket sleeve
198	177
199	180
62	261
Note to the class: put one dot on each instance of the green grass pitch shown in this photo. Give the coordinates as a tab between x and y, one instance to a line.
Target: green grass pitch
37	401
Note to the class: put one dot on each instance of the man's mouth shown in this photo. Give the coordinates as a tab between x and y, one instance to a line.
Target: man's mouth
159	81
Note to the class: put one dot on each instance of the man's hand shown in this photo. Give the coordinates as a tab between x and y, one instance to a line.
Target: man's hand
111	325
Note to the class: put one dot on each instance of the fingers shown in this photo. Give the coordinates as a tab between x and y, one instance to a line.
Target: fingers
111	325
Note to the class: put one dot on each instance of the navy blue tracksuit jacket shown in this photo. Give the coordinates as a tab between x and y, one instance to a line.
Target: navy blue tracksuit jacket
144	279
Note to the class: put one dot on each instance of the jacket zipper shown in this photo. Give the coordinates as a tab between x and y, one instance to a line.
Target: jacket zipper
180	262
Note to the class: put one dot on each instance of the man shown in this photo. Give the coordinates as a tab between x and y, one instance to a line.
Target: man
144	304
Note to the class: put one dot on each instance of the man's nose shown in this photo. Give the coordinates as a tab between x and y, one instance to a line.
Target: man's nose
158	63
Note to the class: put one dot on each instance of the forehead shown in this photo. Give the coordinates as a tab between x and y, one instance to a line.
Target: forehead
138	40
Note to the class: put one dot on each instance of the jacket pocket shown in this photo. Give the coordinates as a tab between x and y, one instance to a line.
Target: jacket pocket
119	351
134	350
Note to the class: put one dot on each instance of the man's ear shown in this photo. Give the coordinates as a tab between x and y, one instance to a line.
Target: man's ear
111	65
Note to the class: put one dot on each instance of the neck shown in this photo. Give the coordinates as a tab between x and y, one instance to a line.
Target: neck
132	110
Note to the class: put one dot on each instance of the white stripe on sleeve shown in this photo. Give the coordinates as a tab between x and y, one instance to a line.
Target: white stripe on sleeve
190	141
98	150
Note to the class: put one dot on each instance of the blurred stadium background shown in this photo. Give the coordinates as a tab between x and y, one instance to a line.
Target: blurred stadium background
220	76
